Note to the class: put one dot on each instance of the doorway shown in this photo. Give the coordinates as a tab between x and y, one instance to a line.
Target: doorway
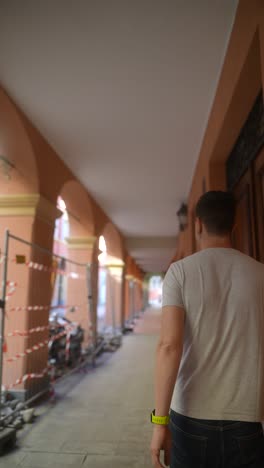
245	178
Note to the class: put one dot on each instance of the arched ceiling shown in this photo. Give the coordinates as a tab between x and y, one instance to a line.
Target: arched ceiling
122	90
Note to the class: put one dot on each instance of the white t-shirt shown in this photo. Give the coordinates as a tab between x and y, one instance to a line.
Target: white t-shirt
221	375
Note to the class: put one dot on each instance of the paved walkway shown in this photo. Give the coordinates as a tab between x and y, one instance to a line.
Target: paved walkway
102	419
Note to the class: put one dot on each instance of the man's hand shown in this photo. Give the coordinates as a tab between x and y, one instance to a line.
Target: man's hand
161	440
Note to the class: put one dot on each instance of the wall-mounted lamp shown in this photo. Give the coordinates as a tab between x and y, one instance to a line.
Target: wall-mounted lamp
182	214
6	167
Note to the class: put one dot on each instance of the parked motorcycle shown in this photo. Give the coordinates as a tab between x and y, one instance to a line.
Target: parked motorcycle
65	341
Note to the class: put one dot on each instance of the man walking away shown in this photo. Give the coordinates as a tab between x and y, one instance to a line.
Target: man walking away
210	357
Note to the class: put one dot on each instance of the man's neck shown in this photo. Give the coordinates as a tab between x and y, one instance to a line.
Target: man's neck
215	242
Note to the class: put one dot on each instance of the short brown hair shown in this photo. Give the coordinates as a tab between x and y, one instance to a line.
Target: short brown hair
217	210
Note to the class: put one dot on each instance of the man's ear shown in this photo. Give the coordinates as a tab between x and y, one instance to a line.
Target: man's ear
198	228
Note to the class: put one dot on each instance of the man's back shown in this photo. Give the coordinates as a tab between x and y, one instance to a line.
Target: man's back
221	375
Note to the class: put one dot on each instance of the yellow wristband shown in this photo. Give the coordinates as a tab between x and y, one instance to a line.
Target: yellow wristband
160	420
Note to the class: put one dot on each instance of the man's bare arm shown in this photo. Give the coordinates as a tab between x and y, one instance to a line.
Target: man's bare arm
168	358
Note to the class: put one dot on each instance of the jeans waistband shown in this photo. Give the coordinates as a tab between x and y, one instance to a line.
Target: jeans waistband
209	423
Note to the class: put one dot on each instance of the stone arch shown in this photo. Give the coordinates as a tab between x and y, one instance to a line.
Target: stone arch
19	201
112	268
79	207
78	246
113	241
16	148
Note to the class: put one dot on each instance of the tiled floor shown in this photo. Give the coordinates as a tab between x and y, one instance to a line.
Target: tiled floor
101	419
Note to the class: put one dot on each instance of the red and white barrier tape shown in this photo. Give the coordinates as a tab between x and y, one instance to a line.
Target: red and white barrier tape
47	269
56	337
27	377
12	285
28	332
39	307
21	308
67	306
36	347
67	330
42	344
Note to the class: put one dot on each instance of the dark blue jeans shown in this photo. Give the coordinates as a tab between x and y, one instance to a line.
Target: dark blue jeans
199	443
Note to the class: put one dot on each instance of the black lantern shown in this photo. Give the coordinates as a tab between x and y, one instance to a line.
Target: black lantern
182	214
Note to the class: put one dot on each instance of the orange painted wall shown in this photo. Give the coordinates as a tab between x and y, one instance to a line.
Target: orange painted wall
39	170
241	79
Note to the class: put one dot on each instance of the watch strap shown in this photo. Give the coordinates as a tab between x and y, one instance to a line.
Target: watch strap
160	420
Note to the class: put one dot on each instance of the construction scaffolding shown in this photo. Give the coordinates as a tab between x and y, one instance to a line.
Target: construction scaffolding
47	326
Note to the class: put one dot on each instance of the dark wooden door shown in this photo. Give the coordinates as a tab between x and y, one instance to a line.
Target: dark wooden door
244	172
259	191
244	235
